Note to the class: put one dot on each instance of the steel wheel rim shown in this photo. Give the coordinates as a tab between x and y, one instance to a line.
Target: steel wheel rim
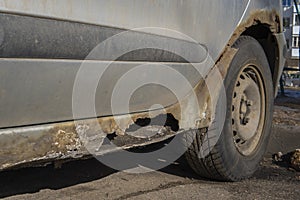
248	110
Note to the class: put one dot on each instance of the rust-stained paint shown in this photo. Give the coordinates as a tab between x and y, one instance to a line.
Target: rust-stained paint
66	139
59	141
270	18
16	148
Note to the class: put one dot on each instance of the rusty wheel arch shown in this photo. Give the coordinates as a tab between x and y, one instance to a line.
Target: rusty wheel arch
263	34
262	25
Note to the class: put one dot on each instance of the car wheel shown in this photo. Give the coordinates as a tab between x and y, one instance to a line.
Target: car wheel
249	112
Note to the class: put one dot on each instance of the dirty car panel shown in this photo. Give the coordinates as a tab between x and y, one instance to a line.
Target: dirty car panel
43	44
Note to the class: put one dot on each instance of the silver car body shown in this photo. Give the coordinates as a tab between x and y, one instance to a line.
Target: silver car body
43	43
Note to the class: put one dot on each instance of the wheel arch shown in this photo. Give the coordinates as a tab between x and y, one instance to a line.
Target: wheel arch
269	42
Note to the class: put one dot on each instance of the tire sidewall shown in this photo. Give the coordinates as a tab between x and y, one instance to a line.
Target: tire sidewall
237	165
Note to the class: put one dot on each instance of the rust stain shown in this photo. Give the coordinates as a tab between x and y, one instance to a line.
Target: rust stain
225	61
63	139
270	18
267	17
66	139
17	148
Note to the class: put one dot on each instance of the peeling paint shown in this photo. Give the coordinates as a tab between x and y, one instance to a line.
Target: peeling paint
270	18
66	140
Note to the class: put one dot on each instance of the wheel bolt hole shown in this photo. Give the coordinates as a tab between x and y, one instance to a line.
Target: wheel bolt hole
234	95
234	133
233	108
233	121
238	141
242	77
238	84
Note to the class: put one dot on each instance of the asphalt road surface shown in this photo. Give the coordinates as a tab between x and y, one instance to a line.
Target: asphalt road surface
89	179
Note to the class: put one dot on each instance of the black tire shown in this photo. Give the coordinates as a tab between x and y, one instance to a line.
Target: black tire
225	162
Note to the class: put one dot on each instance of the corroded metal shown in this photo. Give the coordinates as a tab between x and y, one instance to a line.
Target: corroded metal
40	91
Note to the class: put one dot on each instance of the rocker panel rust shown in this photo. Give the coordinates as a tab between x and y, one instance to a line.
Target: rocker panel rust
60	141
